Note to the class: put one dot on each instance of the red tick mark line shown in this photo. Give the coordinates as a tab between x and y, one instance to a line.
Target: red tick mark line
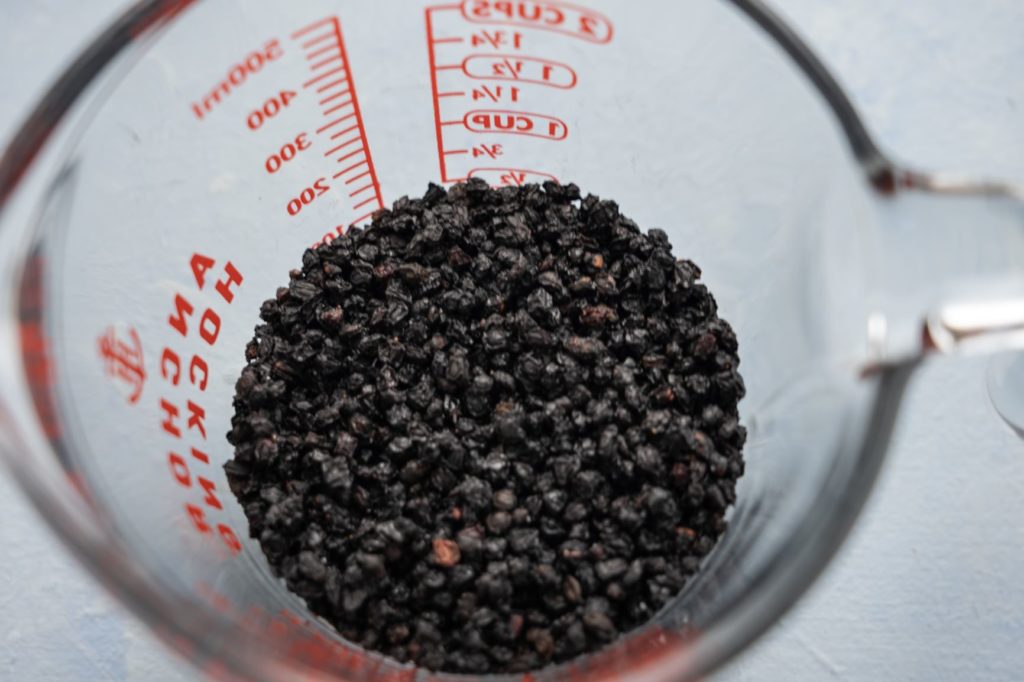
324	62
433	89
448	66
455	39
332	78
336	95
312	27
457	151
342	146
356	177
328	125
337	107
335	136
452	123
365	146
355	165
364	203
452	94
330	85
338	134
351	154
325	74
323	50
313	41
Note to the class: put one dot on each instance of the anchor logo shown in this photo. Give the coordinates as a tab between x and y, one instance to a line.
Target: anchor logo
123	360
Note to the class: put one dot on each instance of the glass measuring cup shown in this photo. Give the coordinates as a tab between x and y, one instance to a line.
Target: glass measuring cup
781	227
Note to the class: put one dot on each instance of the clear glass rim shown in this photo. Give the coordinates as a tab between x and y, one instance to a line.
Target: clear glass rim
772	591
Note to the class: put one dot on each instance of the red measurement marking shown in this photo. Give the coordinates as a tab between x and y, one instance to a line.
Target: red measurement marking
312	27
332	76
324	62
323	50
364	203
351	154
356	177
252	64
491	151
496	93
561	17
433	86
337	107
522	75
342	132
332	97
497	39
332	123
342	146
522	69
506	66
316	41
510	176
515	123
123	360
324	88
361	190
325	74
352	167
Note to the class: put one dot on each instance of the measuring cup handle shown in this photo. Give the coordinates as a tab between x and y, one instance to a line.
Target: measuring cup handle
949	264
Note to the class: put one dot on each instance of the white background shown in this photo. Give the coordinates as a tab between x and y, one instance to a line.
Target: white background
930	585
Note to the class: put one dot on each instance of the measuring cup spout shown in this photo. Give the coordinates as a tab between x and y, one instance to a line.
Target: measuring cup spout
948	266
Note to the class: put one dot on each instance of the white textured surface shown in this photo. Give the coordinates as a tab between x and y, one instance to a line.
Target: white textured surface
929	586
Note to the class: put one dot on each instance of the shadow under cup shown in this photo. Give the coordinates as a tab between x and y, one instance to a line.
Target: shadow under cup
158	227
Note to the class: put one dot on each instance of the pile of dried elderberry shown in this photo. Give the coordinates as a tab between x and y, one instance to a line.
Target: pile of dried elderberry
491	431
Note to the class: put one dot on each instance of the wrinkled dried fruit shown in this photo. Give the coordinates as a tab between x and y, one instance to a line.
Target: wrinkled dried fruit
491	431
446	552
